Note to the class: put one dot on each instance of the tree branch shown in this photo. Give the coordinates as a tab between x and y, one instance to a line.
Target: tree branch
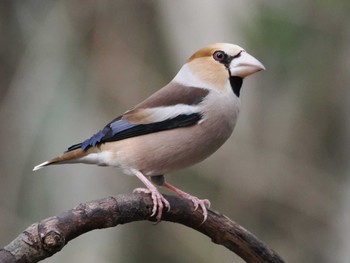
45	238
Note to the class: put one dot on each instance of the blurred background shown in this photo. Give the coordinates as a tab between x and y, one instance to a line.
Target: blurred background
69	67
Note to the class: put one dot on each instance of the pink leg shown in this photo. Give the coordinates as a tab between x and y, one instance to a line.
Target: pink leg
157	197
204	204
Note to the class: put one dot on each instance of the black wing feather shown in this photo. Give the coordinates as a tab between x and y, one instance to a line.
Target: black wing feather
120	129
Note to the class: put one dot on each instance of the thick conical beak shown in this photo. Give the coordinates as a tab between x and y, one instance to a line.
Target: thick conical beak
245	65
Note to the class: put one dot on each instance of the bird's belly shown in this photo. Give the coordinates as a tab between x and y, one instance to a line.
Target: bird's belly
169	150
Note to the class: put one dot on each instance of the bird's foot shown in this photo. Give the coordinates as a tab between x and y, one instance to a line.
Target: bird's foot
158	201
204	204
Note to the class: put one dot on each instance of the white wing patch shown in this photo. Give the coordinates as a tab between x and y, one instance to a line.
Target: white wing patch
158	114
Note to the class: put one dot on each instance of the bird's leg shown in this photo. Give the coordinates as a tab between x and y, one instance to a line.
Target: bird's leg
157	197
203	203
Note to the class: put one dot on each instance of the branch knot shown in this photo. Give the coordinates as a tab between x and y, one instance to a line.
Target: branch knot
53	242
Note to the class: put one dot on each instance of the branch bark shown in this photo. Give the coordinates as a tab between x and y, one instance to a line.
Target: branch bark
49	236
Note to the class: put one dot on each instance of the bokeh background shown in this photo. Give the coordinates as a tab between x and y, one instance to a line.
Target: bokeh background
69	67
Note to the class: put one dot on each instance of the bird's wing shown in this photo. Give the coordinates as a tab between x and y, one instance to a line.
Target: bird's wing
169	108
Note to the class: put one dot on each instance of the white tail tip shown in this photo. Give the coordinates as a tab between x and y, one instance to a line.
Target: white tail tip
40	166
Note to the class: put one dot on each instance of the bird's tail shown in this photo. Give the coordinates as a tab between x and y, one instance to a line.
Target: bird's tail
68	157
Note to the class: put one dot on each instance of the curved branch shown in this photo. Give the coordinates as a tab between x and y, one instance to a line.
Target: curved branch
47	237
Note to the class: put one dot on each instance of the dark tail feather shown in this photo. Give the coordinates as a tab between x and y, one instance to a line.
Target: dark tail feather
74	147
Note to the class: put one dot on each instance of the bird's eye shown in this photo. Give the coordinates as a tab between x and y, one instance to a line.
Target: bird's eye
219	55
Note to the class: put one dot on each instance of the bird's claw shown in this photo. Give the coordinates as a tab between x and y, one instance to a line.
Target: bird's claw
204	204
158	201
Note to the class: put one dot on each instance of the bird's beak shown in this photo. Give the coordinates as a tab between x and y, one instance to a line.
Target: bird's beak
245	65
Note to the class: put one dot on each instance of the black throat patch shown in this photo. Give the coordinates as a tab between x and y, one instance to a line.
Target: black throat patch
236	84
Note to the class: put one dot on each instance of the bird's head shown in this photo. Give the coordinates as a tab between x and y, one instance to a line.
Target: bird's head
220	62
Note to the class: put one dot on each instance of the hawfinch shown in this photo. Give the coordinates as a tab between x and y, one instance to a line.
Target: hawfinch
178	126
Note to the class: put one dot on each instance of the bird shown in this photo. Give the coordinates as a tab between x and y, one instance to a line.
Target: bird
179	125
